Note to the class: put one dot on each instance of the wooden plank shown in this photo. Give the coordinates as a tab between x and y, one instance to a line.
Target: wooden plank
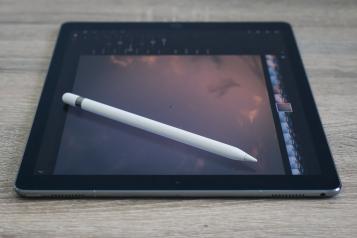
326	32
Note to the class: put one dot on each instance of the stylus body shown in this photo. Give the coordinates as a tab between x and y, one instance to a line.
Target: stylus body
158	128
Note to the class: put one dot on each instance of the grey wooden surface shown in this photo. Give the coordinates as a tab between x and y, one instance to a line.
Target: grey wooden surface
326	32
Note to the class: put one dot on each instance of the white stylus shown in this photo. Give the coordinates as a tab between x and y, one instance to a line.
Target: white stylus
158	128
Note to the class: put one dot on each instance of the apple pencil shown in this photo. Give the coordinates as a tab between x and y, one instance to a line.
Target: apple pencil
158	128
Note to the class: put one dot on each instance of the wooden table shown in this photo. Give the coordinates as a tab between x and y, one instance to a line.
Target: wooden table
327	34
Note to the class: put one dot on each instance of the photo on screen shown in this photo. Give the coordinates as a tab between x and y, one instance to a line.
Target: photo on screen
222	97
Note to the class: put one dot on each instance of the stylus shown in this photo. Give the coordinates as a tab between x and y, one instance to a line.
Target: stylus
158	128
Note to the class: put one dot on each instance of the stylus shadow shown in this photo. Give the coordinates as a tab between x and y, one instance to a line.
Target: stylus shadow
239	166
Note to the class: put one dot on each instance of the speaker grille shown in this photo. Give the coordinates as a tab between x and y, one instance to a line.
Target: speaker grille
288	195
66	196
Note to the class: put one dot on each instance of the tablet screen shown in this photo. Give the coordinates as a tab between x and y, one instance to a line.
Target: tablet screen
222	97
240	98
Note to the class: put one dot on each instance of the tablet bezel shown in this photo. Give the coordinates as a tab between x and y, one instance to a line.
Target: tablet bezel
27	181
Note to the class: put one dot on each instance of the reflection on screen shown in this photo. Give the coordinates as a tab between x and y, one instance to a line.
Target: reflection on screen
223	97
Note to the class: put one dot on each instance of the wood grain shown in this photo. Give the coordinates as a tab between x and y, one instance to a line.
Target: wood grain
326	32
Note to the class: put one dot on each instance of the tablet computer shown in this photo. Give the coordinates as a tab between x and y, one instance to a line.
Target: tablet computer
234	85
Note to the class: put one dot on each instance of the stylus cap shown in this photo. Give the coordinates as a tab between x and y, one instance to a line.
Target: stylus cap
70	99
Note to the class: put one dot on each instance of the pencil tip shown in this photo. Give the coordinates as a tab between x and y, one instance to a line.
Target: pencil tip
250	158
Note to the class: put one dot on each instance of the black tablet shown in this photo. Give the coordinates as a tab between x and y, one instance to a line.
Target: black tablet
239	84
